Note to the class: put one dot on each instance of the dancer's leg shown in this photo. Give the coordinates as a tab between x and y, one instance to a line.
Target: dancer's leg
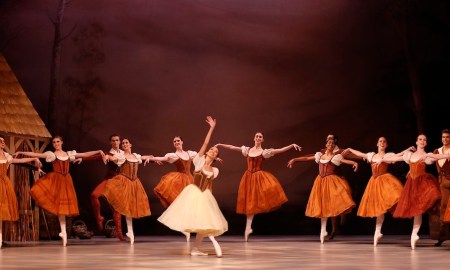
195	250
95	202
416	226
248	227
63	233
188	236
130	233
377	236
117	218
323	229
216	246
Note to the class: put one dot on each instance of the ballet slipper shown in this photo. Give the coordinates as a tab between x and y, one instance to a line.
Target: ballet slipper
196	252
322	236
131	236
217	248
414	239
377	238
63	235
188	236
248	231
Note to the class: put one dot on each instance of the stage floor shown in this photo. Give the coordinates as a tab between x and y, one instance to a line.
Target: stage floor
261	252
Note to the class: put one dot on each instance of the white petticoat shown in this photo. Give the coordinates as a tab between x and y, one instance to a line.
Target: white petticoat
195	211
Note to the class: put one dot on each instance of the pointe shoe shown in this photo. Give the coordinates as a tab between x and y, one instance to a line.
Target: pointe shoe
414	239
196	252
131	236
63	235
377	238
188	236
217	248
322	237
247	233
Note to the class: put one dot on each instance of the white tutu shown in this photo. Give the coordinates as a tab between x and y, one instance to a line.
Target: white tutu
195	211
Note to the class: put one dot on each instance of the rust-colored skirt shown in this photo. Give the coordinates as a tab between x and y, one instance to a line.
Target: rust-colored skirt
330	196
55	193
171	186
381	195
259	192
127	197
418	195
8	200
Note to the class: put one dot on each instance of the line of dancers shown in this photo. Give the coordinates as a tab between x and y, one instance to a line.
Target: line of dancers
191	207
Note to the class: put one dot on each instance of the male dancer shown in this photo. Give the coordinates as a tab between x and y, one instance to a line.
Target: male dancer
443	168
110	173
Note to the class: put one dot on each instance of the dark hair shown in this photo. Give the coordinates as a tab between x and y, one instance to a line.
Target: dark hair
57	137
446	131
181	138
335	137
2	136
114	135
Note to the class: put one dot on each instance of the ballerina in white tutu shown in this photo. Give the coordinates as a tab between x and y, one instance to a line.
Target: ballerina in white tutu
196	209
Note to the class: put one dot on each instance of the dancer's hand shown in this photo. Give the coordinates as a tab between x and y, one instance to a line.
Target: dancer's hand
296	147
41	172
290	163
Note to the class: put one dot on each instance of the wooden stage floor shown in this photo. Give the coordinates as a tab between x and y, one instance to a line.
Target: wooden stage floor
261	252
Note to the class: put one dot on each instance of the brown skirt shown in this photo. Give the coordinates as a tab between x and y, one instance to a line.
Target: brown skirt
8	200
127	197
171	186
55	193
259	192
381	195
330	196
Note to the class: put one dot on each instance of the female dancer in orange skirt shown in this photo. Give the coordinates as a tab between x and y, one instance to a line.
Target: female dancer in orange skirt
330	195
124	191
421	191
54	192
171	184
8	200
383	189
259	191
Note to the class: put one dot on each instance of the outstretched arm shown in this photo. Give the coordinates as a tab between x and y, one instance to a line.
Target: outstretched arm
350	162
212	124
354	152
302	158
89	154
411	148
30	154
149	158
392	159
229	146
284	149
435	157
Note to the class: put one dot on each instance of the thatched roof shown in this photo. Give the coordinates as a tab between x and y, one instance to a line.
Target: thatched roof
17	114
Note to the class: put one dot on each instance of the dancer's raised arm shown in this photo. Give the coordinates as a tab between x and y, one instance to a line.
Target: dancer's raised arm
212	125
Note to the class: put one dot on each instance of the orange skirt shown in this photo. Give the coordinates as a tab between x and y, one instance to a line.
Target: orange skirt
418	195
259	192
171	186
381	195
330	196
127	197
8	200
55	193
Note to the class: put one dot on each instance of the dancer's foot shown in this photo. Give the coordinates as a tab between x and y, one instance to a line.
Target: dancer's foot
248	231
120	237
376	238
332	234
217	248
439	243
131	236
196	252
322	236
188	236
63	235
414	239
100	220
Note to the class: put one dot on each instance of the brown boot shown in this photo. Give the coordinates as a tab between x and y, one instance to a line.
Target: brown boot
96	208
117	217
